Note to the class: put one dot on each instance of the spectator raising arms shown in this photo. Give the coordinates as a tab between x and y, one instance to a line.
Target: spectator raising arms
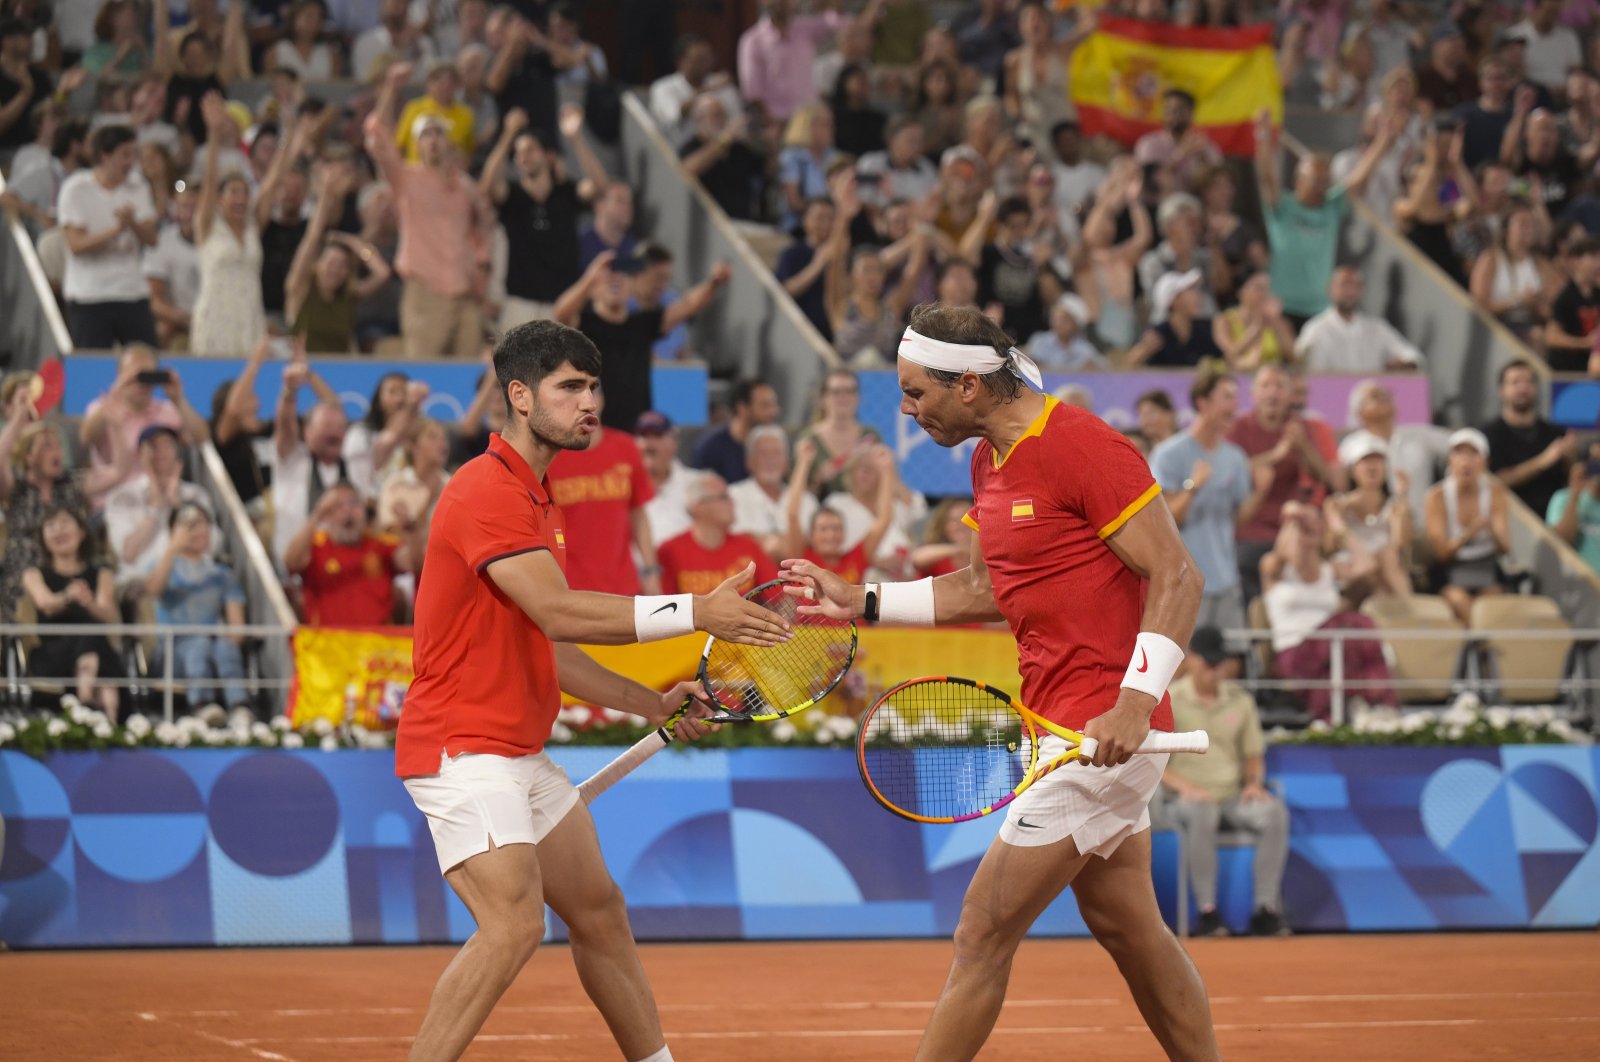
302	48
326	279
538	207
822	540
228	316
406	500
346	570
66	586
113	422
716	153
236	424
867	320
947	541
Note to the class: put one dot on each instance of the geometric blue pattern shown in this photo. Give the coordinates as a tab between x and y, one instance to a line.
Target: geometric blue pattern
240	847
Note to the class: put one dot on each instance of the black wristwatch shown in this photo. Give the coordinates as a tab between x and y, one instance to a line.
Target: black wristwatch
869	611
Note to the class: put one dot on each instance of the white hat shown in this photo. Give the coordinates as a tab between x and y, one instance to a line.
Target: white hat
1075	306
1168	288
1470	437
1359	445
422	122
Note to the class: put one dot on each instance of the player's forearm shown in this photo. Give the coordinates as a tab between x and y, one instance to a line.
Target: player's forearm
1173	600
585	678
964	597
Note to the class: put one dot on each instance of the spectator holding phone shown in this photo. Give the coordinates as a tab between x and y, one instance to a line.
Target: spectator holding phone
108	218
130	406
1574	511
139	513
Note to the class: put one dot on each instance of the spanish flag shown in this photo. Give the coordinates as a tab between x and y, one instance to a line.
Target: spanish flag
1119	74
350	676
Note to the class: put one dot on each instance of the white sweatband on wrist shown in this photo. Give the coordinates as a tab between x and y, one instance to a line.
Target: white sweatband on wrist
1155	660
907	602
662	616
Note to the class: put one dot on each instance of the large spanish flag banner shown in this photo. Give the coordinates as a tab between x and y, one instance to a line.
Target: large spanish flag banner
355	676
1120	72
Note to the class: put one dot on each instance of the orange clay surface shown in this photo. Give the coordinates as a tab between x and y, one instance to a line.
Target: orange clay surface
1343	998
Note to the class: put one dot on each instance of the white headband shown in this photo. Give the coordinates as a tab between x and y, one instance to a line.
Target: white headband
963	357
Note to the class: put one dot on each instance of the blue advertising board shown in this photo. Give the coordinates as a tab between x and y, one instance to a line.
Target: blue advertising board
213	847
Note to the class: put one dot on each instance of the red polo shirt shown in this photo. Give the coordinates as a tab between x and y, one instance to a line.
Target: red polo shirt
485	673
350	586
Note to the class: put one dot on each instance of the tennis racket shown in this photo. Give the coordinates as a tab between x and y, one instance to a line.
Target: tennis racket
750	683
950	749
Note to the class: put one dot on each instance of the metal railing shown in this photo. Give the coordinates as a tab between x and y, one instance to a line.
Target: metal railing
272	637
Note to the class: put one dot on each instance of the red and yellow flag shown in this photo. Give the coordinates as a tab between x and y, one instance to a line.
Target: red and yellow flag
1119	74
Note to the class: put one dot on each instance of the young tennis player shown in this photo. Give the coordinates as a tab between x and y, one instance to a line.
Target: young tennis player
1077	552
494	623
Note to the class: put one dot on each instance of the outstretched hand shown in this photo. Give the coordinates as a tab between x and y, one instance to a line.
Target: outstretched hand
725	614
828	594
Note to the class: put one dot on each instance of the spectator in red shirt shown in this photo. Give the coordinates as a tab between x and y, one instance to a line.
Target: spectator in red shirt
602	491
346	571
823	542
697	561
947	543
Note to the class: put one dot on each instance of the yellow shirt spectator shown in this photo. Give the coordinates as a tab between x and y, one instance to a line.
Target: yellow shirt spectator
457	118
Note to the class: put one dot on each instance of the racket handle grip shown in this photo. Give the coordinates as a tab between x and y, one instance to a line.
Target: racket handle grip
1156	741
623	765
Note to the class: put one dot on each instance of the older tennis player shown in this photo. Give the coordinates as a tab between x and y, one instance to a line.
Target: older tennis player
1077	552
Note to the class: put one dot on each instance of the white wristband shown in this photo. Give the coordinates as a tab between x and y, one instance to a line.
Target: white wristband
907	602
1155	660
663	616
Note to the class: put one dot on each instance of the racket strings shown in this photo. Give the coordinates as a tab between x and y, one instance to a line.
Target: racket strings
757	682
944	750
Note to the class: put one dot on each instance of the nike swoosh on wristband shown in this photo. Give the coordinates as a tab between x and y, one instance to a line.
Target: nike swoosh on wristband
1144	661
1025	824
670	606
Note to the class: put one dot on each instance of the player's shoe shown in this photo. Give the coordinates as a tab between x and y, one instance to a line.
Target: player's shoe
1268	923
1210	924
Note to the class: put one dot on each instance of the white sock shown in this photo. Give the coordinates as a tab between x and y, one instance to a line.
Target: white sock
663	1055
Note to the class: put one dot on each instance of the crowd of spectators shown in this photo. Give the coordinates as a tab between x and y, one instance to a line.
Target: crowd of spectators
218	202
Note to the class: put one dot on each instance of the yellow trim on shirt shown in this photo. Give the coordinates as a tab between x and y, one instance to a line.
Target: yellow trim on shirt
1127	514
967	519
1036	428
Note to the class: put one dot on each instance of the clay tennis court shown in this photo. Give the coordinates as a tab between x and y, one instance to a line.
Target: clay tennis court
1341	998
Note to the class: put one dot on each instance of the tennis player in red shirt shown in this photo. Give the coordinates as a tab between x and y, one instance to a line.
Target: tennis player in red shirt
495	620
1077	552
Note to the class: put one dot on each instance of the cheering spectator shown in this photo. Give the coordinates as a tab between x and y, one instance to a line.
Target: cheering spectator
236	424
937	108
867	320
1369	526
1574	325
407	497
107	216
1037	94
597	305
206	59
1301	594
760	503
722	450
985	33
34	184
852	46
900	172
325	282
524	72
613	217
652	290
729	169
947	540
579	62
538	207
1527	452
1552	50
1115	236
802	266
603	491
837	434
1013	269
820	538
68	587
439	100
1236	241
1513	280
472	69
1158	421
346	570
394	41
192	588
1574	511
283	218
1212	489
228	315
172	269
128	407
1227	790
857	123
307	463
138	513
1183	336
668	511
1063	348
1254	332
1446	81
1272	436
674	98
807	160
709	554
377	439
1342	339
444	251
302	48
1180	250
1415	451
1303	228
1178	152
22	84
860	507
1533	148
1469	525
776	57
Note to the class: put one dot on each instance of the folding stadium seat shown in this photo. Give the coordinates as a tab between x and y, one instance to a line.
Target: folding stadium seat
1435	661
1527	671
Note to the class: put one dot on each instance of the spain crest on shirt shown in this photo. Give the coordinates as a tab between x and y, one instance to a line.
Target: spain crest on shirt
1021	509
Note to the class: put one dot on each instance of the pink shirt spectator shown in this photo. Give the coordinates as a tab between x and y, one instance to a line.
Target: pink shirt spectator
442	238
159	411
775	66
1324	21
1158	148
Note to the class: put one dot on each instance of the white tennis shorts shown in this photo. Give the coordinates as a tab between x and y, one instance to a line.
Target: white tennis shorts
478	797
1098	807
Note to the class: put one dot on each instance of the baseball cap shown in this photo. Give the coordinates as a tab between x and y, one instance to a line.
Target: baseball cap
1075	306
157	430
1169	287
423	122
1207	644
1359	445
652	423
1470	437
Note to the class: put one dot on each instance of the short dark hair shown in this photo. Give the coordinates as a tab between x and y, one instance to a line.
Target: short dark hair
1513	364
968	326
1203	386
68	133
899	124
1158	398
530	352
1061	127
109	138
1583	245
685	42
652	253
744	391
949	265
1178	93
1011	206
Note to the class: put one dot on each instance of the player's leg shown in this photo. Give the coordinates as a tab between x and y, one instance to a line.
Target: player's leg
1012	886
580	890
502	889
1199	820
1118	902
1269	821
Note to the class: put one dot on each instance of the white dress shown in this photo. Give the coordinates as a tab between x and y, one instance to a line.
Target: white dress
228	317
